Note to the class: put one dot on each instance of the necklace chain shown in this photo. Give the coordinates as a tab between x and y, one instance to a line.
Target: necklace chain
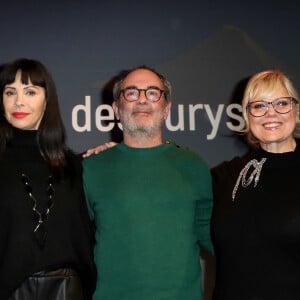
42	217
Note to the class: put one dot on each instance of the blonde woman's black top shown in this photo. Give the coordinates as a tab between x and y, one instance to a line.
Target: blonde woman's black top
257	236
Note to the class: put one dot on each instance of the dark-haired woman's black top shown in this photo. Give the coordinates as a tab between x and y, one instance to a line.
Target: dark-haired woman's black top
257	236
69	239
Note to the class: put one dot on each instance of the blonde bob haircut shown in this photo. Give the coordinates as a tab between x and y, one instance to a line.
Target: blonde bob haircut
260	87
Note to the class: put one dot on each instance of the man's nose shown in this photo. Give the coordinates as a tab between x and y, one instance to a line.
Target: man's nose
142	96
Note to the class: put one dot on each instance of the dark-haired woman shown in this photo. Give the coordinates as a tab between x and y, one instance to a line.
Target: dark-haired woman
46	239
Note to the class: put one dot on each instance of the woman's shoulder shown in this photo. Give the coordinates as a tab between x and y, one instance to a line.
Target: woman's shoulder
231	167
74	163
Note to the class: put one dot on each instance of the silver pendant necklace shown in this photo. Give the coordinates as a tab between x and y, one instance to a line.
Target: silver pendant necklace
39	230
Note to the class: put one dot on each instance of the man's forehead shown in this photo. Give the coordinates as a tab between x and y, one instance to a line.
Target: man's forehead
142	78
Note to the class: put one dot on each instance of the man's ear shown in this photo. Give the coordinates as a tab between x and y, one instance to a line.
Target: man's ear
116	109
167	110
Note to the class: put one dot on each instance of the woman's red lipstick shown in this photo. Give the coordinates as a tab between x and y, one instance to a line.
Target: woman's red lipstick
20	115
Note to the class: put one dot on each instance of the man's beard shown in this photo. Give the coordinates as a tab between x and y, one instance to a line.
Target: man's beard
141	130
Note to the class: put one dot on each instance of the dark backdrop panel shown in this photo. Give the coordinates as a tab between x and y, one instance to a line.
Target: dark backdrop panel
208	49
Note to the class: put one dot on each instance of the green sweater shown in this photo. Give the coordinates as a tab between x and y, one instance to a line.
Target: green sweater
152	209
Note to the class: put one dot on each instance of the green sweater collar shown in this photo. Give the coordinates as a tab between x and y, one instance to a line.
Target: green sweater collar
143	151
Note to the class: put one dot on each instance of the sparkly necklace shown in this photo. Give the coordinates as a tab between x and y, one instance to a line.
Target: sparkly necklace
257	165
39	230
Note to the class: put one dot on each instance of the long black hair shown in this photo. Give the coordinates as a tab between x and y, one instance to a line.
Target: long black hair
51	136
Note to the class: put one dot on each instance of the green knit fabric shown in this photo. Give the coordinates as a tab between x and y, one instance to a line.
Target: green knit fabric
152	209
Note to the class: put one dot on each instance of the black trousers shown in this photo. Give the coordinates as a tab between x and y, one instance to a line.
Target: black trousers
60	284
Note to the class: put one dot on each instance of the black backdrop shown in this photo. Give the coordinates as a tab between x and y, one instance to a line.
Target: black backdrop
207	49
